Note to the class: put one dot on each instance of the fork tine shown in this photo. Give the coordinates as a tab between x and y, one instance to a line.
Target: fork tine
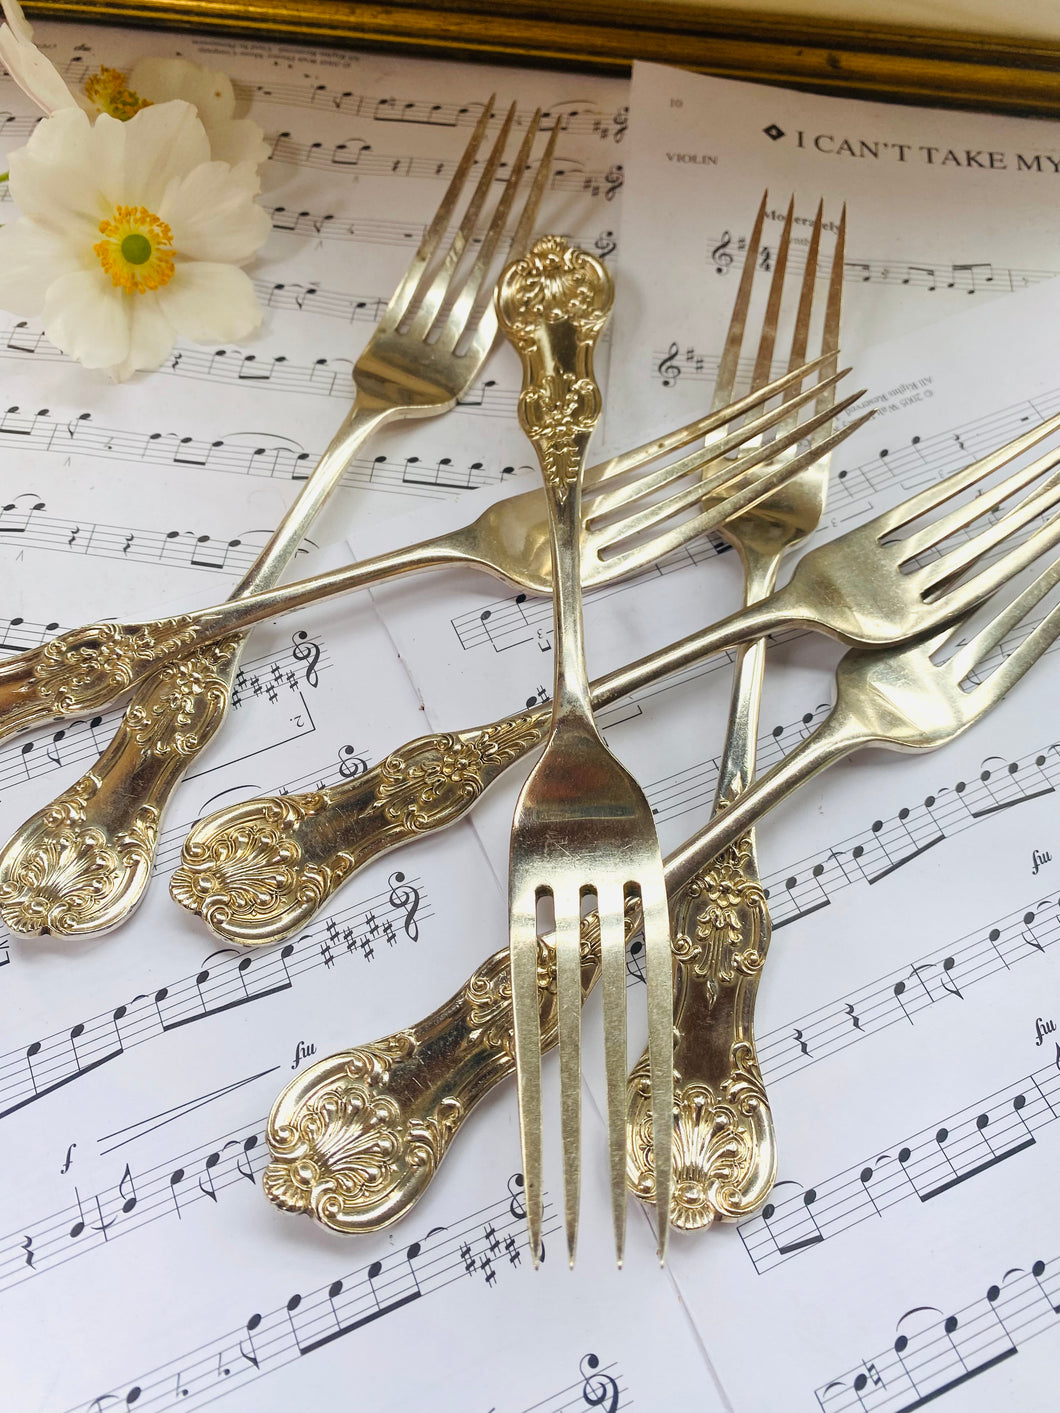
525	228
569	1020
642	556
611	912
526	1027
945	490
603	502
952	565
464	304
693	431
399	300
658	956
768	337
730	357
424	306
967	657
833	308
975	590
652	515
940	530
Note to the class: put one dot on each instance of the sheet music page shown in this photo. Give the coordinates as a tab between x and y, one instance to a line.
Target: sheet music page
137	1072
906	1018
945	209
139	1067
180	475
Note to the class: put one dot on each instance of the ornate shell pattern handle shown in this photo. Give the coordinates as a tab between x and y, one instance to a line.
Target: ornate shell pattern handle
257	871
356	1139
72	868
724	1156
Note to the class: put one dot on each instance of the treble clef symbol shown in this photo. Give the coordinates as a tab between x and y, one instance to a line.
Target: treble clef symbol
598	1390
669	369
621	122
407	898
305	650
721	255
614	177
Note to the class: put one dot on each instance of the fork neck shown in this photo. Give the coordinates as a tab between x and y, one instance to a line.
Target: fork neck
365	416
571	696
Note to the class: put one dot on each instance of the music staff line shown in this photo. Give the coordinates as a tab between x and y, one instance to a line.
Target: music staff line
270	456
477	1247
511	622
931	1356
335	225
326	377
923	1167
357	156
575	115
966	276
272	679
942	976
228	981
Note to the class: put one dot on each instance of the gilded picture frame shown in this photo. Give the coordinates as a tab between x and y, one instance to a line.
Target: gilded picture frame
879	61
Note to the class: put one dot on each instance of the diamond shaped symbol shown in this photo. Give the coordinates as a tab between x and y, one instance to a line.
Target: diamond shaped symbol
773	132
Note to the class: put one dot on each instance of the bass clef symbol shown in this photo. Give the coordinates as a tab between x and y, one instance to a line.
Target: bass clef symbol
598	1390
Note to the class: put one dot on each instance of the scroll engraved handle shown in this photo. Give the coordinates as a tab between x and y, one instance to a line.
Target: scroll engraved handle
257	871
357	1138
724	1161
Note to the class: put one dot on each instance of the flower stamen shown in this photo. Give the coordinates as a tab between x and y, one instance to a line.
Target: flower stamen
137	249
109	90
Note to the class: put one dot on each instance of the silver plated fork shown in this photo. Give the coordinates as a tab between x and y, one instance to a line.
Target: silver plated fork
582	823
724	1145
304	847
447	1063
91	850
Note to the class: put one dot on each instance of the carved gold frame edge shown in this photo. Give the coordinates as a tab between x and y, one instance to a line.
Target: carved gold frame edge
884	62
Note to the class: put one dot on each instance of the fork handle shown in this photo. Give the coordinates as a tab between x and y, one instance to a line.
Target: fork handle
82	864
552	305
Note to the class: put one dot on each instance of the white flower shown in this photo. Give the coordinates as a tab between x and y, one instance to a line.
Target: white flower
130	237
210	92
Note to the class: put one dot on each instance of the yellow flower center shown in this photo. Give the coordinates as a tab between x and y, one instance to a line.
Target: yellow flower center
136	250
109	90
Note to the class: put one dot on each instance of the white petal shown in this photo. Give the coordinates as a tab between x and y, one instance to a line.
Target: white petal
86	316
213	215
56	177
151	337
160	145
31	258
15	17
36	76
237	140
211	303
209	90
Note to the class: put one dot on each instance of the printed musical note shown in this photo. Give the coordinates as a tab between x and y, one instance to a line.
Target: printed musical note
31	1072
935	1352
311	1320
928	1165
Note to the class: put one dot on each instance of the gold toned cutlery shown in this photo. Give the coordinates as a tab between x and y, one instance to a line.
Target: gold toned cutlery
724	1142
582	823
257	871
401	1100
82	864
60	873
88	668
